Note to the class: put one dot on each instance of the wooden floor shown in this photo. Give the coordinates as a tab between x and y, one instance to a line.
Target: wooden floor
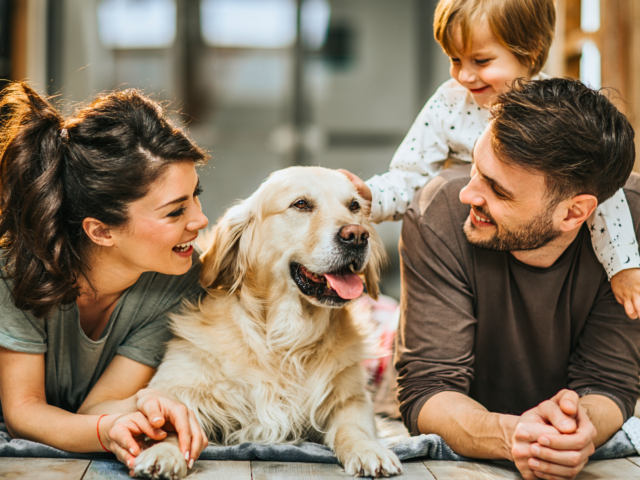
47	469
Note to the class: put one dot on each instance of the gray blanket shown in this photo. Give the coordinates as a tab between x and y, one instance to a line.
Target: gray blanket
625	443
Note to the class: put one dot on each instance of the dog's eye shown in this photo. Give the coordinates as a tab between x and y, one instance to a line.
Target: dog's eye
301	204
354	207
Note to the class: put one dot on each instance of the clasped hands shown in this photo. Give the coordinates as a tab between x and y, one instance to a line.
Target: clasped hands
553	440
155	414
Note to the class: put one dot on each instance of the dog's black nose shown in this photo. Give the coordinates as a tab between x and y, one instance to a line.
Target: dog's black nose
353	235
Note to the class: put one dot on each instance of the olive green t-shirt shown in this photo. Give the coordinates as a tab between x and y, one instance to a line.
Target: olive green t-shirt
137	329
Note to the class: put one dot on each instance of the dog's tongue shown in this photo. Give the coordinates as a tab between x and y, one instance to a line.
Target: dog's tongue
348	286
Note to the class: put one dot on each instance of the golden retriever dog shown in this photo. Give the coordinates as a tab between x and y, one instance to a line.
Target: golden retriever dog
273	354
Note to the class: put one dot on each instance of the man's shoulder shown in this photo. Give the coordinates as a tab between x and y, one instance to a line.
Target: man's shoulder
632	190
439	199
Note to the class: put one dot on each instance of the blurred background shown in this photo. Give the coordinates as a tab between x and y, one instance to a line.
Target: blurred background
265	84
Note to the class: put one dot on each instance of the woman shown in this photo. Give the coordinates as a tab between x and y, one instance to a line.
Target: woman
98	217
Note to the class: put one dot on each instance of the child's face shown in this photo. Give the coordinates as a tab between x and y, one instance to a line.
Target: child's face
486	68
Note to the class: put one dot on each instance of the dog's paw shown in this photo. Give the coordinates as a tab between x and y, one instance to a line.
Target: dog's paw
162	461
369	459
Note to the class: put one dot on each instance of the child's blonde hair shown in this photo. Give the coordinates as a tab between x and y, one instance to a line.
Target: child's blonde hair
524	27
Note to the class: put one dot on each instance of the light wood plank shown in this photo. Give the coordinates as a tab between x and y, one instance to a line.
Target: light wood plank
415	470
635	460
107	470
296	471
216	469
42	468
470	470
618	469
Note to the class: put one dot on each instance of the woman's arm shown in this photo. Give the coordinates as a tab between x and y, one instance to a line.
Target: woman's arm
121	389
116	389
28	415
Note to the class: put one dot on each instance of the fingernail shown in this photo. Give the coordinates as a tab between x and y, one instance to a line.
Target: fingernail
191	463
132	452
130	463
156	419
534	463
186	456
544	441
160	432
535	449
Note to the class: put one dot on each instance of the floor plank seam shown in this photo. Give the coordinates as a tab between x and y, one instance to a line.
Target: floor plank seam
86	469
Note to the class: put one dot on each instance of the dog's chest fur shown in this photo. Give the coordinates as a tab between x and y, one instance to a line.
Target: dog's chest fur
251	384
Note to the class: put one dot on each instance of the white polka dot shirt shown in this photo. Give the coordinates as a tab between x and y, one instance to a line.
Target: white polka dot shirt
447	128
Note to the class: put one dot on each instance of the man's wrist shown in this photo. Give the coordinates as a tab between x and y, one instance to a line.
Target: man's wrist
507	424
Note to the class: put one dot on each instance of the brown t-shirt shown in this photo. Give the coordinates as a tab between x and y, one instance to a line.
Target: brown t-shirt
506	334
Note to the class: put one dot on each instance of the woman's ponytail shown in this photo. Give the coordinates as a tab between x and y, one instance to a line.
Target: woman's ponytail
39	258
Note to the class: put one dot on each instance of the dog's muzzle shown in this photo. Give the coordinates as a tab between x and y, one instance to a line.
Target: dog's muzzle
339	284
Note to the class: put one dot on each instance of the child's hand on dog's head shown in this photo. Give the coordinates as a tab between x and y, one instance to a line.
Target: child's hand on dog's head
363	190
626	287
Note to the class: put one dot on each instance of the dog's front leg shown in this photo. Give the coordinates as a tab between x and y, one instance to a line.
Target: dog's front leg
162	460
352	436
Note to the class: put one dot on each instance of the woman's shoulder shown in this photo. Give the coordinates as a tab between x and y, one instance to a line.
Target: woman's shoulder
19	331
159	290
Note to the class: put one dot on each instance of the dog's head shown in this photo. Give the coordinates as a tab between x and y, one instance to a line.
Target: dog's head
305	230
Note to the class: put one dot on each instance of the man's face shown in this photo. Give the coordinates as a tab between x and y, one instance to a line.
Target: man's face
509	206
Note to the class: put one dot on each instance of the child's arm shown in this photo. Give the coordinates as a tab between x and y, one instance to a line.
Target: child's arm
615	244
421	155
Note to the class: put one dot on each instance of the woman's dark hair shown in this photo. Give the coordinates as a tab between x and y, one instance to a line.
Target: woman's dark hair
54	173
572	134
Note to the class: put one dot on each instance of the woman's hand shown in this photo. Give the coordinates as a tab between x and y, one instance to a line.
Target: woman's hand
164	412
123	434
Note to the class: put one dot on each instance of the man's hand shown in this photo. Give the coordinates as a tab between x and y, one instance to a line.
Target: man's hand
554	440
164	412
626	287
363	189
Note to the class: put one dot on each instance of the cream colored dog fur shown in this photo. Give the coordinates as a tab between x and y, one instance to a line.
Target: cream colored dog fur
258	359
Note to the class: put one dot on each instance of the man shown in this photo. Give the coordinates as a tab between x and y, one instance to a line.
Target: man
511	344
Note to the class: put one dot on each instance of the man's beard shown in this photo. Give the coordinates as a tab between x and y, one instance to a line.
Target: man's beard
536	234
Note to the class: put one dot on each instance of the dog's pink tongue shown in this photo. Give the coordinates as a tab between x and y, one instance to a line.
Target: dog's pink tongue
348	286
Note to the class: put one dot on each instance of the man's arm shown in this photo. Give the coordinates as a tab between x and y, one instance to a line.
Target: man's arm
469	428
437	327
605	415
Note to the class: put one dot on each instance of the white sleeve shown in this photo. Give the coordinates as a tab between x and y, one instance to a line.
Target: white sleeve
421	155
613	236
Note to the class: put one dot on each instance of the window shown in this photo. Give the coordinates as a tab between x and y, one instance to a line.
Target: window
129	24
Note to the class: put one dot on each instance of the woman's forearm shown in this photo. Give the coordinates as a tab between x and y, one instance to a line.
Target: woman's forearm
39	422
126	405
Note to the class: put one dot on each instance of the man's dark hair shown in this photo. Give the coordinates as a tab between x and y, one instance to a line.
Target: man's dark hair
572	134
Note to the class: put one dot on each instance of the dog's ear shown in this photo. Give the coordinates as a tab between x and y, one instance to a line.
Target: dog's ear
377	259
225	261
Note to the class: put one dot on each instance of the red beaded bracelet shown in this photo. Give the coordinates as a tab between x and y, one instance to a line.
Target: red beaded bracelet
98	430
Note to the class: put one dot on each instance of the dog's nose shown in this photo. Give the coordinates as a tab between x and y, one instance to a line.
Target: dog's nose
353	235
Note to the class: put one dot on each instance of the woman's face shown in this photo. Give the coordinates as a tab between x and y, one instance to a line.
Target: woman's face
163	225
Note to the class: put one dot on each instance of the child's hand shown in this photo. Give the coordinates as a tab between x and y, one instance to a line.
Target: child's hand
363	189
626	287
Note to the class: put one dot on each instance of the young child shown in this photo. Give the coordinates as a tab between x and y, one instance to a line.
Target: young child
490	43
